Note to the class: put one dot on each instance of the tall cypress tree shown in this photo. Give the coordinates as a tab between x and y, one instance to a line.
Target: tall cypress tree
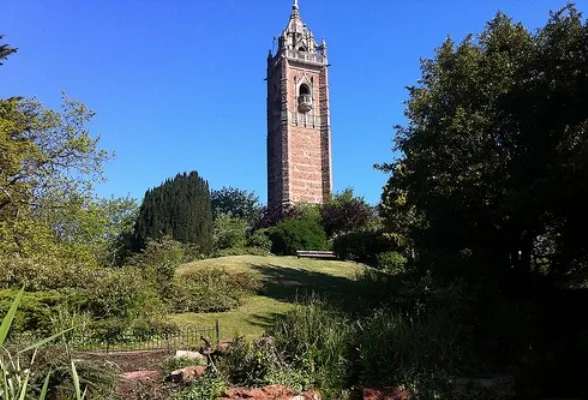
178	208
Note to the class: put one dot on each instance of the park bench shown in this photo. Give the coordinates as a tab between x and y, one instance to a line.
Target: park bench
316	254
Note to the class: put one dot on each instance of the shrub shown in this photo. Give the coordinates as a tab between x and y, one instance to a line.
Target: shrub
259	239
391	262
229	232
209	387
72	321
97	377
214	290
239	251
318	340
162	251
260	363
298	234
125	294
422	341
363	246
345	213
45	272
35	309
23	372
423	351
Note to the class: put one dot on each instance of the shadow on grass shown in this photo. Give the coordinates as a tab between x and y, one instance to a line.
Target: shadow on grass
289	284
264	321
292	285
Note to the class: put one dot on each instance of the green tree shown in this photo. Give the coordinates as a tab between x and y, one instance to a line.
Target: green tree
5	50
297	234
237	203
48	164
491	162
180	209
345	212
106	226
229	232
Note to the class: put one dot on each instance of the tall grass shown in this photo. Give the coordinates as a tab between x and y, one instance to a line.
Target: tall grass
319	341
15	378
395	335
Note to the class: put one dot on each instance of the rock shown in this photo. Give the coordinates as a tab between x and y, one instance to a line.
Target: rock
187	374
132	380
273	392
278	391
142	376
395	393
189	355
496	386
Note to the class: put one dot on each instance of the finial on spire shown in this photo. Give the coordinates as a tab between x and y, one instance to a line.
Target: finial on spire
295	6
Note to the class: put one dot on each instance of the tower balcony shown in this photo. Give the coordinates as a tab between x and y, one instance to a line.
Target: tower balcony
313	58
304	103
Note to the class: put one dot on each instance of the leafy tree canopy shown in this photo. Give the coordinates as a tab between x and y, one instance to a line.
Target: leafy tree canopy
237	203
494	156
5	50
48	165
345	212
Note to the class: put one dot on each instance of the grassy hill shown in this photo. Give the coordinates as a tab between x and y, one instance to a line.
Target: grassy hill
284	278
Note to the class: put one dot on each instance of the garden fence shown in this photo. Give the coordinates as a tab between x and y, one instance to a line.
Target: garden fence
115	341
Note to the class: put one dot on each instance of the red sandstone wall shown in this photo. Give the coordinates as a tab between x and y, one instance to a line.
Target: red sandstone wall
299	158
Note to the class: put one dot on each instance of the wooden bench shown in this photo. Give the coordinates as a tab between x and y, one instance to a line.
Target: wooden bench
316	254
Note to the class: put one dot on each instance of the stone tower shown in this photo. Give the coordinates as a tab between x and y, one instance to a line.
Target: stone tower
298	118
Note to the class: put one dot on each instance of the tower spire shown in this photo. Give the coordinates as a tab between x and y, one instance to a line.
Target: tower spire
295	6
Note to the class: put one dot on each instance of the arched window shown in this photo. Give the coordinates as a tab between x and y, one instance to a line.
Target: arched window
302	50
304	89
304	98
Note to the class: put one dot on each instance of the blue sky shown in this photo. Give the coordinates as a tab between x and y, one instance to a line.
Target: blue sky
179	85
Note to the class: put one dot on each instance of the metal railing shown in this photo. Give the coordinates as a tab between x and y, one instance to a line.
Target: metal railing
171	340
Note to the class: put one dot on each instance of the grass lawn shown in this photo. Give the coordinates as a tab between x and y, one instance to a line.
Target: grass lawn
284	279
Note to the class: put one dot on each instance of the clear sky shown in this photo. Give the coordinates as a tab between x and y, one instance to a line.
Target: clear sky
179	85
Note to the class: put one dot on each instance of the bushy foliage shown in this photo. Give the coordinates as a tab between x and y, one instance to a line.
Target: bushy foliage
209	387
364	246
391	261
162	251
229	232
45	272
409	349
49	164
240	251
97	377
159	261
178	208
259	363
51	373
419	343
214	290
259	239
35	309
6	50
297	234
124	294
491	154
318	340
345	213
237	203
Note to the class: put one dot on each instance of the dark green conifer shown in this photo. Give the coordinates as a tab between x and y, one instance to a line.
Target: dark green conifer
180	209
